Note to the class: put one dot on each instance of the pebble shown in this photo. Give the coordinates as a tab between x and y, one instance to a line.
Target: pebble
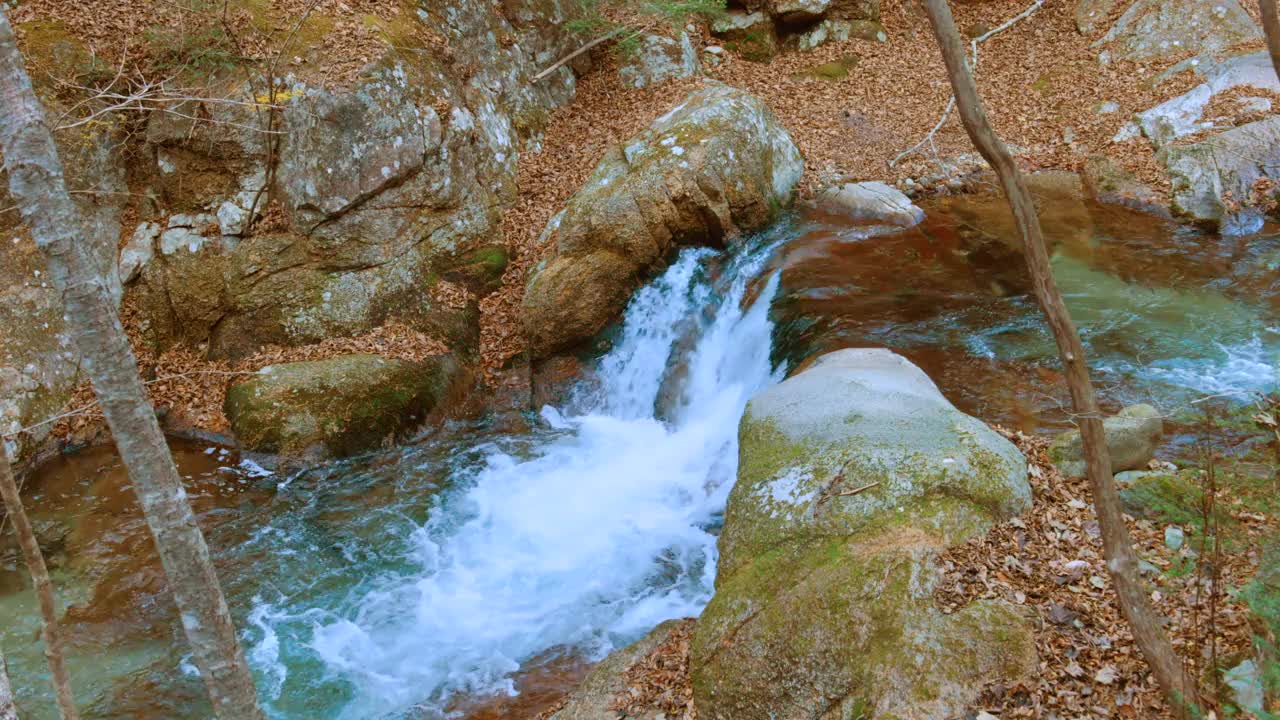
1174	537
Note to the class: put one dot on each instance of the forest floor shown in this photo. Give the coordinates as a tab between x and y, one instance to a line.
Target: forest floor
1044	88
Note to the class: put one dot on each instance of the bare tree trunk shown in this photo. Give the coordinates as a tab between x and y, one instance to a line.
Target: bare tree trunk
1271	28
36	183
8	710
44	591
1122	561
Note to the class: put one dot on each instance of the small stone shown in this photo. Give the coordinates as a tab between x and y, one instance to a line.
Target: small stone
1174	537
874	201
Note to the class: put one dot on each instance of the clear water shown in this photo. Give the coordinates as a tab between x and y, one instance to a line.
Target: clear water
400	584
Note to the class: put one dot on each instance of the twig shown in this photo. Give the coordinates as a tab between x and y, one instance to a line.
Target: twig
86	408
951	104
567	58
854	491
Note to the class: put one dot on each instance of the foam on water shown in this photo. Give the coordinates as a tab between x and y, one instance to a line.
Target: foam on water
594	537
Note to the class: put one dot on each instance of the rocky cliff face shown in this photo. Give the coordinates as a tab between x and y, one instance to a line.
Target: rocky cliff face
376	193
345	206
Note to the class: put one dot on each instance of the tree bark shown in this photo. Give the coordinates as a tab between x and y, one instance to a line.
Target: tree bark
8	710
1122	561
37	185
1271	28
44	592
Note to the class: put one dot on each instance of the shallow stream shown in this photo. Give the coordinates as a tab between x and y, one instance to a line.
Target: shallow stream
477	573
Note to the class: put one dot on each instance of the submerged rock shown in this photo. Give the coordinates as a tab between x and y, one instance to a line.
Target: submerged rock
854	474
1133	434
1111	184
340	406
717	165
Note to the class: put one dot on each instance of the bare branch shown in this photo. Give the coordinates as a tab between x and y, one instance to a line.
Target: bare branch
973	49
1122	560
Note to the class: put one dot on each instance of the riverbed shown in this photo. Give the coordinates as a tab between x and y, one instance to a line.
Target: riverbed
477	563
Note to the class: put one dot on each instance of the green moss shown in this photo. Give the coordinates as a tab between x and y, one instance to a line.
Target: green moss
832	71
344	405
1170	498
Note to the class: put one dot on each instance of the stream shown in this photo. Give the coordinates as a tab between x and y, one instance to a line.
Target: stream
477	573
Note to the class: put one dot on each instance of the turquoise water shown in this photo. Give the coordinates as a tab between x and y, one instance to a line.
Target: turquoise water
404	583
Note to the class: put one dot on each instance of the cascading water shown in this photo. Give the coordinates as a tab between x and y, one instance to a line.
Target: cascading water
590	538
398	584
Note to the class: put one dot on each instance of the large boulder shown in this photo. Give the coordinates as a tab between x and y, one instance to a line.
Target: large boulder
1152	29
717	165
1217	142
854	474
1133	434
336	407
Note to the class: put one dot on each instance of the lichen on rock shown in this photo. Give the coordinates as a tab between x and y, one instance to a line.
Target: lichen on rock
718	165
854	473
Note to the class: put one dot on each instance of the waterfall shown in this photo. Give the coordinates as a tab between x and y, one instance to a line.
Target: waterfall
601	531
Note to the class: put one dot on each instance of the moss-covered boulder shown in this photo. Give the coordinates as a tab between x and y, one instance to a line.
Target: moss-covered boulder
853	475
336	407
1133	434
717	165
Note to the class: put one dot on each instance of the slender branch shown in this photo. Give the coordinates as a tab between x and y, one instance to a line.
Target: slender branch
44	591
1122	560
569	58
973	49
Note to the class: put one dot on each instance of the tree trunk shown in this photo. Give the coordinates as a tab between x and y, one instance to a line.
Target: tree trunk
36	183
1122	561
44	592
1271	28
8	711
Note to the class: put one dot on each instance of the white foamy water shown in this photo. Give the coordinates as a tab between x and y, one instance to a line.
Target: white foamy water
599	535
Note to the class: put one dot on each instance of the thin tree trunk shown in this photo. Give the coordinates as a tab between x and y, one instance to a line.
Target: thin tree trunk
44	591
36	183
1122	561
1271	28
8	710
